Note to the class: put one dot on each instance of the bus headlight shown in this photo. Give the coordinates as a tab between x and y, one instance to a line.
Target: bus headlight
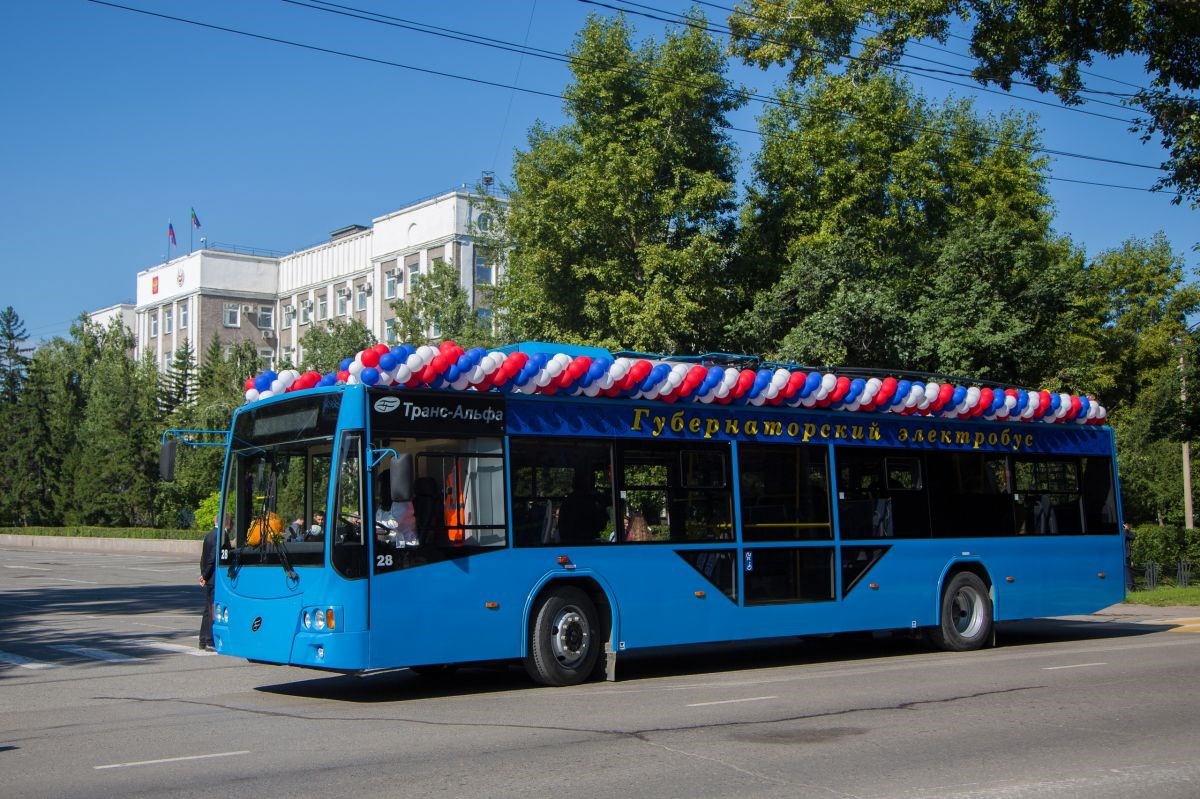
306	619
319	619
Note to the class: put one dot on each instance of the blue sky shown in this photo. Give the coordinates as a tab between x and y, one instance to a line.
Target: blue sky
116	122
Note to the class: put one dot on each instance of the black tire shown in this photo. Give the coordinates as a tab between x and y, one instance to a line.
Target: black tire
966	617
564	639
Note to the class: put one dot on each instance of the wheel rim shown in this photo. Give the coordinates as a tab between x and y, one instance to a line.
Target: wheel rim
570	636
967	610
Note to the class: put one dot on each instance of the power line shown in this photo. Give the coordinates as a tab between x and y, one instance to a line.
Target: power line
495	84
384	19
907	69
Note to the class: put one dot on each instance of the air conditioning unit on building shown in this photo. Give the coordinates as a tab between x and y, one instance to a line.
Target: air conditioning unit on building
343	292
268	334
247	309
367	287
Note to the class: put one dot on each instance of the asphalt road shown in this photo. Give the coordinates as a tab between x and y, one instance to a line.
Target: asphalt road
103	693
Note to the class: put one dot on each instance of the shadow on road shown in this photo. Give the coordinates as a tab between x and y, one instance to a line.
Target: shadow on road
404	685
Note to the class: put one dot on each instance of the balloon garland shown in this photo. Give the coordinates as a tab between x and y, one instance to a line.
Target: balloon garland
450	366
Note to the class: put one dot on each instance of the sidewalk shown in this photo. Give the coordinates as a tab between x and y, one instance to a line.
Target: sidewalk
1137	613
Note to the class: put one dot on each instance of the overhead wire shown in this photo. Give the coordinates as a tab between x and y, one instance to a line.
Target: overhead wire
497	84
385	19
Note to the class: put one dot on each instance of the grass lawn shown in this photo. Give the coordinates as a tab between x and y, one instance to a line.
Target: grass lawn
1166	595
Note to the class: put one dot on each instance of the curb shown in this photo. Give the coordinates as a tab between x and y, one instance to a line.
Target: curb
85	544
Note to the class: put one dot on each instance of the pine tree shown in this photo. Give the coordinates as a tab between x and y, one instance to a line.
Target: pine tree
14	358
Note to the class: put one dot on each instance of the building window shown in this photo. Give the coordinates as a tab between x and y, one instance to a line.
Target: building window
360	297
267	358
168	356
289	355
154	323
484	317
389	279
183	315
232	314
322	307
168	321
414	271
266	317
289	315
306	312
391	332
484	222
483	271
343	302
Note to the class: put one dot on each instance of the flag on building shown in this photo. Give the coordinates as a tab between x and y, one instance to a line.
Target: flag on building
171	234
195	220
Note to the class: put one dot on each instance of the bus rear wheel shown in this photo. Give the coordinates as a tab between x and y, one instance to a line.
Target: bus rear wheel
563	640
966	618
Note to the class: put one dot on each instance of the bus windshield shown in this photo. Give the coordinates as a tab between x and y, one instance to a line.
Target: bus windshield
277	483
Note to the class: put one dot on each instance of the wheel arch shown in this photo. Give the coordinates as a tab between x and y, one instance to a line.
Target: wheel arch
591	584
957	566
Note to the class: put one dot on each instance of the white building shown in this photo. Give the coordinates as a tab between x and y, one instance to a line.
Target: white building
271	301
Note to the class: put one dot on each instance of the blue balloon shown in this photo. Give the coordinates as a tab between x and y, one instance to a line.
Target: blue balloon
262	382
856	389
1084	404
960	394
1022	401
369	375
902	391
452	373
387	362
345	364
1055	402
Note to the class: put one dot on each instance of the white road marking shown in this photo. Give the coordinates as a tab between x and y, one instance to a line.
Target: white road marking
194	651
69	580
173	759
96	654
33	568
25	663
732	701
1072	666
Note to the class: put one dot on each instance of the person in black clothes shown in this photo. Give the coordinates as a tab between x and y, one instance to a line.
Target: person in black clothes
208	569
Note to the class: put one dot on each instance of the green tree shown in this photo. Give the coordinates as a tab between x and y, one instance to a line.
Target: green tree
117	472
325	345
620	220
1042	44
1133	316
178	383
438	303
14	357
885	231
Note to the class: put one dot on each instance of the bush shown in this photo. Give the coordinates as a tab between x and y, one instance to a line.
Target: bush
1165	545
206	512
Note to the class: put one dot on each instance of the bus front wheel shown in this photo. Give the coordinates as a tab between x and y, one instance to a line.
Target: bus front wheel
966	618
563	641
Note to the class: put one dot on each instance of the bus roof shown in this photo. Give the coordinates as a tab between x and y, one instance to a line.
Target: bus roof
550	369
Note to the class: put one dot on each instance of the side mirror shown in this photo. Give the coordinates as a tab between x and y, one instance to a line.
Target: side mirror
401	478
166	460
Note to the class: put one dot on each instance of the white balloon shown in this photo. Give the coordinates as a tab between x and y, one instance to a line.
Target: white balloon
542	379
462	382
972	397
265	394
809	401
276	386
355	369
427	353
592	391
403	373
251	394
605	381
828	382
779	379
620	368
413	362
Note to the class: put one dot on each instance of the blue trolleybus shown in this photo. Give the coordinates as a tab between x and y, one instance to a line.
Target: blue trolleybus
558	506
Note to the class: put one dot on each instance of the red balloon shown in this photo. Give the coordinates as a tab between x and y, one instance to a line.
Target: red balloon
945	394
381	349
369	358
343	376
986	395
841	389
249	383
886	391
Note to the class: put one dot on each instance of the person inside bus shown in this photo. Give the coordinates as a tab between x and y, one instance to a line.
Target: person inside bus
317	531
395	521
582	515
